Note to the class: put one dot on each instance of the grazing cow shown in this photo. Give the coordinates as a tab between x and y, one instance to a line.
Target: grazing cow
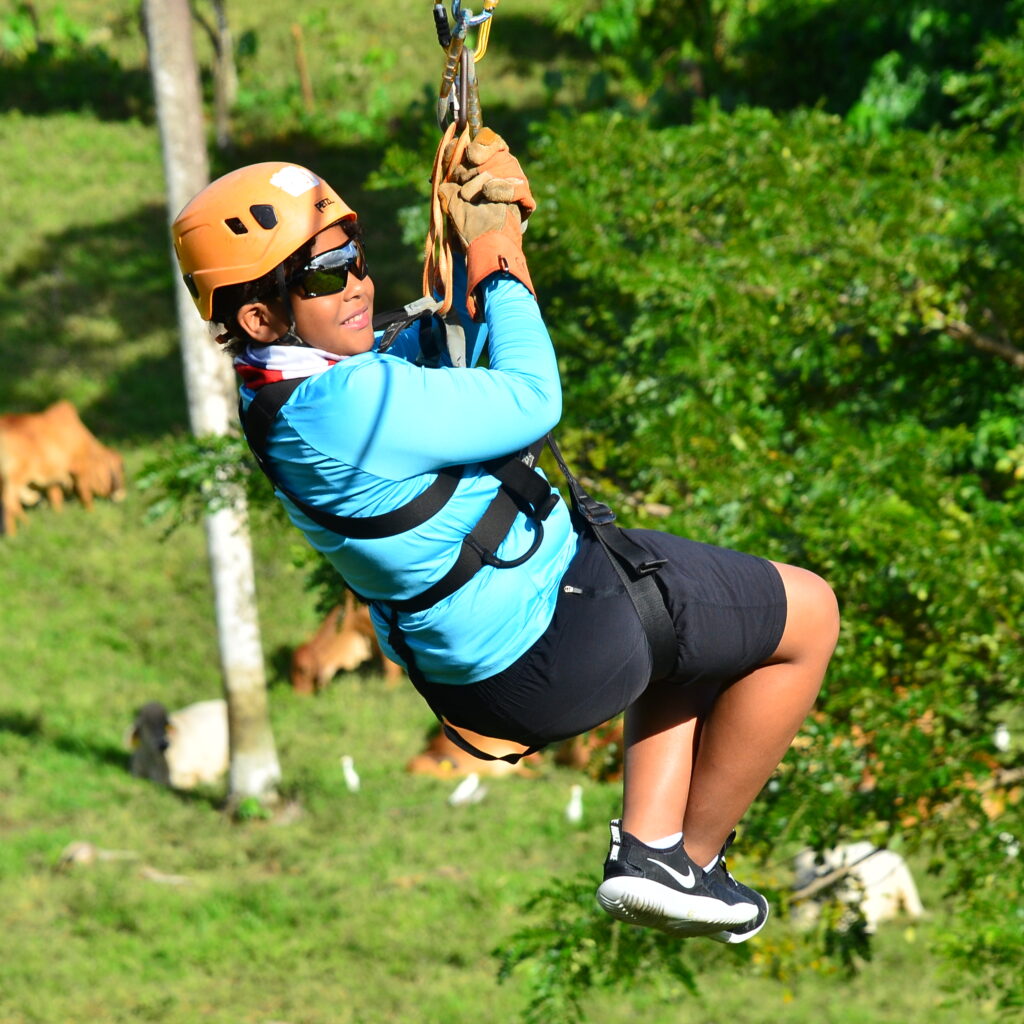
97	471
861	875
52	452
343	641
32	461
442	759
182	749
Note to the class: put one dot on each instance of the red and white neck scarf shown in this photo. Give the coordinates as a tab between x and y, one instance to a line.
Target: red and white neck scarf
263	364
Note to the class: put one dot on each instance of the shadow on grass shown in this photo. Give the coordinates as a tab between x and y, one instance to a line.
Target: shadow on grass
46	82
96	304
279	666
31	727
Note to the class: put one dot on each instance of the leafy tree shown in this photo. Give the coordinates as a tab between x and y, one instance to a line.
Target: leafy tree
882	65
991	95
775	337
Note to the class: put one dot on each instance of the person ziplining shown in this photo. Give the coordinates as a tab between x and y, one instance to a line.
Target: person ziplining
412	468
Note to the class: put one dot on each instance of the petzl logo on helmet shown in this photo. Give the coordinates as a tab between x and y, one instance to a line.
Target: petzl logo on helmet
294	180
322	204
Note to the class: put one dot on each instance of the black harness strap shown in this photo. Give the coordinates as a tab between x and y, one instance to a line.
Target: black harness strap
396	321
478	547
635	567
256	423
396	638
438	336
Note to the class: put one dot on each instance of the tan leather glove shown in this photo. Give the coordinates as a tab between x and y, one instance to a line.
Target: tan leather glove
487	203
501	177
489	233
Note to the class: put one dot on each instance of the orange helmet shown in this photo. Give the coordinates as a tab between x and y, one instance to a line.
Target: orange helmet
244	224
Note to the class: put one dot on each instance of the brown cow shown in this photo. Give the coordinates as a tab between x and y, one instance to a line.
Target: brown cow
52	452
33	460
97	471
343	641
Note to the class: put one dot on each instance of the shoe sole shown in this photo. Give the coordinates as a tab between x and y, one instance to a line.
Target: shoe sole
642	902
732	938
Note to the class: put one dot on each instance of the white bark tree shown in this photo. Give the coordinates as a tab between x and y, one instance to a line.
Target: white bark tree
212	399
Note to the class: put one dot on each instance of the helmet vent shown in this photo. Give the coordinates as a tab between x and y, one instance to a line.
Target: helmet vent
237	226
265	216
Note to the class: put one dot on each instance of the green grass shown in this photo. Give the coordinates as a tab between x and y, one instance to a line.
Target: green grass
379	906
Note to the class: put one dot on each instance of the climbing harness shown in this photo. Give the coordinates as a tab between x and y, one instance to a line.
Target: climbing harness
460	118
521	490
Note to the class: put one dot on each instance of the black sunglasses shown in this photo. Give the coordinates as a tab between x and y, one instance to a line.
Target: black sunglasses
327	273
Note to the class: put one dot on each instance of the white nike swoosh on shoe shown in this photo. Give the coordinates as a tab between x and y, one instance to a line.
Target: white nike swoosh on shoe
687	881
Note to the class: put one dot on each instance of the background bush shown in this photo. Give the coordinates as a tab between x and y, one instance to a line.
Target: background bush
754	330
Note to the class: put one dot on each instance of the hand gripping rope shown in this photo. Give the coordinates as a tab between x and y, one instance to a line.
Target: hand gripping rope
459	100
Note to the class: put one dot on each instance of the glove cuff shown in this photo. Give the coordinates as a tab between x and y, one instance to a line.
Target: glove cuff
490	253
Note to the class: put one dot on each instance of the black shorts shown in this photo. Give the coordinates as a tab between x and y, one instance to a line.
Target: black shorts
593	659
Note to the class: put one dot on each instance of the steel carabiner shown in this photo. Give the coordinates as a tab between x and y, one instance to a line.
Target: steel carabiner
462	104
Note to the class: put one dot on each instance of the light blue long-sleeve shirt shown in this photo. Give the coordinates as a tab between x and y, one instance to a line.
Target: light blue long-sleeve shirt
369	434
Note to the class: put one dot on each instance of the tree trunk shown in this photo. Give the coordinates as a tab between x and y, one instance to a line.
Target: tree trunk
225	77
211	398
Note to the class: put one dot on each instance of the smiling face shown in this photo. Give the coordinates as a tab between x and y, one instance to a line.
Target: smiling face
341	323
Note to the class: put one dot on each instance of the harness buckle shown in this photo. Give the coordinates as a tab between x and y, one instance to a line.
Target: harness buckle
546	507
597	513
651	566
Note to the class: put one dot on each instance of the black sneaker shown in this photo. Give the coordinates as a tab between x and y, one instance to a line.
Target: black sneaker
722	883
664	889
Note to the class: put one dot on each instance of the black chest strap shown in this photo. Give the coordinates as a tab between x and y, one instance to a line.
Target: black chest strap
521	489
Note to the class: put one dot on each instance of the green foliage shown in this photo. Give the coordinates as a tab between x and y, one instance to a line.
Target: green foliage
368	75
654	56
989	942
189	477
54	61
882	65
767	331
252	809
991	95
908	86
21	33
574	950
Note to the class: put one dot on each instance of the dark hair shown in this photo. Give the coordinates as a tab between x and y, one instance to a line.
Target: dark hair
229	299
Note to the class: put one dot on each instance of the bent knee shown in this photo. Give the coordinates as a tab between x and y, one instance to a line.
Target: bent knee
812	615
